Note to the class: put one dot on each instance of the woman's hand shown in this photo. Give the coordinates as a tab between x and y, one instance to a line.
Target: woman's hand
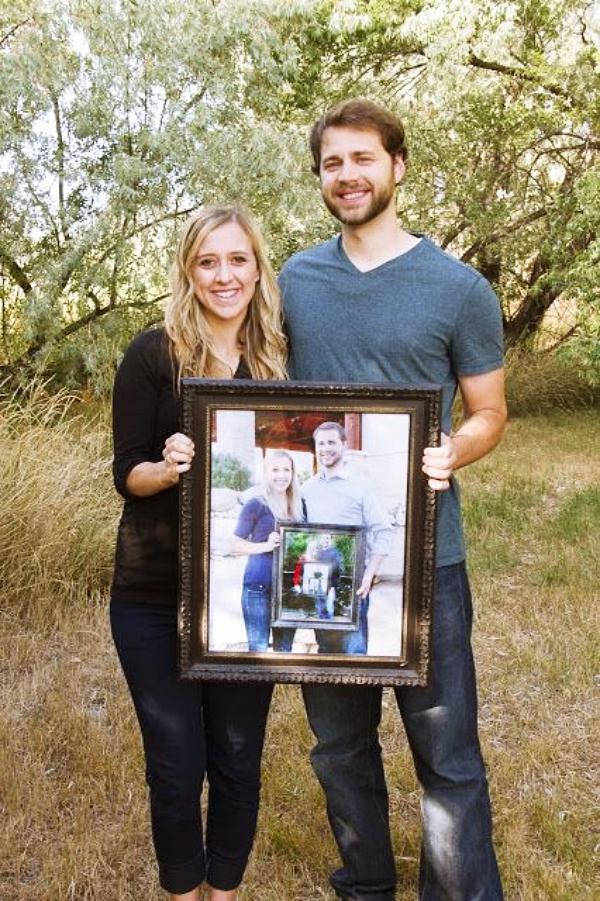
178	454
241	546
147	479
273	541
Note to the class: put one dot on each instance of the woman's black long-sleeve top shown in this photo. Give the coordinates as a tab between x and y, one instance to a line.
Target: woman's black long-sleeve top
146	411
145	414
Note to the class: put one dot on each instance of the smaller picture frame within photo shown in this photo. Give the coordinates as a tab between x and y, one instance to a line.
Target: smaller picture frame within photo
317	573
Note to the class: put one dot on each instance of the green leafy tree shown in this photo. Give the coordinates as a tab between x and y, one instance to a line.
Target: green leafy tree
228	472
118	118
502	106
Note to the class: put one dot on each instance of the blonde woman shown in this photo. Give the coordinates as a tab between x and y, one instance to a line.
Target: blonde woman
222	320
256	536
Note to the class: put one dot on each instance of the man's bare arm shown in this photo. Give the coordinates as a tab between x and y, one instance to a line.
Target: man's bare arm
484	419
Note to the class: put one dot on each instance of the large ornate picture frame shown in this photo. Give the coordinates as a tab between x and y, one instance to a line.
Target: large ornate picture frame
264	597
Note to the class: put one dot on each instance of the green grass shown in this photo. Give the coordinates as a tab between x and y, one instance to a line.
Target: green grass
74	824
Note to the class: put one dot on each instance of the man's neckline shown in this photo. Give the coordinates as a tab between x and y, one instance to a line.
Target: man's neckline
378	265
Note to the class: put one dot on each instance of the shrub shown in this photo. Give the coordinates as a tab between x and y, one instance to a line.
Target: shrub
538	383
228	472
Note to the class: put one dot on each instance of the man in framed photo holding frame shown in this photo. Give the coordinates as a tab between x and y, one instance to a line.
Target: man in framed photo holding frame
340	496
392	307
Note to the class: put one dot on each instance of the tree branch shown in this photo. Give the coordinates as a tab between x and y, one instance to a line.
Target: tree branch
6	37
17	274
60	159
141	228
503	233
514	72
70	329
454	232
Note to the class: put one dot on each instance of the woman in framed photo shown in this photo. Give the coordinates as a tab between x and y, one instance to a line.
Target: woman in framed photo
256	535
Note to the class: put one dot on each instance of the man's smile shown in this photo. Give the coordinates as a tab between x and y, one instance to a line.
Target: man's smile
351	195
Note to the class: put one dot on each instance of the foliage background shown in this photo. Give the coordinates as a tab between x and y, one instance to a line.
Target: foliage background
116	119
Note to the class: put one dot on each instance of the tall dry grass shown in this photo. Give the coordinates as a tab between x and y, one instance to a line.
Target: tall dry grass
74	822
58	514
539	383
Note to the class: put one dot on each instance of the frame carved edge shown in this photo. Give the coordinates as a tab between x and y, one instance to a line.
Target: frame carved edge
429	543
185	556
431	395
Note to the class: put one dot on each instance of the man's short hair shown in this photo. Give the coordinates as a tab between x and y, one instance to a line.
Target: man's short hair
330	427
365	115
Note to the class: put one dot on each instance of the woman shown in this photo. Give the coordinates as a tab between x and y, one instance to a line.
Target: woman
222	320
255	535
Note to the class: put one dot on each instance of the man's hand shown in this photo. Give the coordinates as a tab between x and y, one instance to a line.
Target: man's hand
369	575
484	409
439	463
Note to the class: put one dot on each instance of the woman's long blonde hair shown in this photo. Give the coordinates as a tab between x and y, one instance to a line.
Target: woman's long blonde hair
190	336
288	507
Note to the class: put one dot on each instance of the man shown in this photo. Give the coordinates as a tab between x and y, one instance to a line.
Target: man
331	557
338	496
391	306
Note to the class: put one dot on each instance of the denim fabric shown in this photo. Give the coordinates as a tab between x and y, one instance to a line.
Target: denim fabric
458	862
256	607
331	641
347	762
189	730
283	639
235	718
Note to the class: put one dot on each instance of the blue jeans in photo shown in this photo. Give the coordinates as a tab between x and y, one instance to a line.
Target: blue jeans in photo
458	862
332	641
256	608
283	639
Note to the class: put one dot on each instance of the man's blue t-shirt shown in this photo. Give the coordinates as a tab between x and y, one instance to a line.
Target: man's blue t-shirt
421	318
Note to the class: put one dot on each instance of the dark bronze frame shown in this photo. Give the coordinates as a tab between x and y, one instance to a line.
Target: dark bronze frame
409	418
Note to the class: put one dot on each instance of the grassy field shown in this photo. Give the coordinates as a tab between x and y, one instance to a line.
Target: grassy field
74	821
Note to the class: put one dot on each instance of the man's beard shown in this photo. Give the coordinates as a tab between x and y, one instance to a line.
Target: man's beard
379	201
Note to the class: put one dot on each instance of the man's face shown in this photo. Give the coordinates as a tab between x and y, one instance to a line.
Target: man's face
358	175
329	448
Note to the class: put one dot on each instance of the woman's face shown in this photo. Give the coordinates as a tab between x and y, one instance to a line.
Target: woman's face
279	474
225	273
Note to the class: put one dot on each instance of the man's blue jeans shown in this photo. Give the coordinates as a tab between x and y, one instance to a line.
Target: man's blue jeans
333	642
458	862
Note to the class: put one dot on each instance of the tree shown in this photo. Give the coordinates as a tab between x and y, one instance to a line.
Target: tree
117	118
502	105
228	472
